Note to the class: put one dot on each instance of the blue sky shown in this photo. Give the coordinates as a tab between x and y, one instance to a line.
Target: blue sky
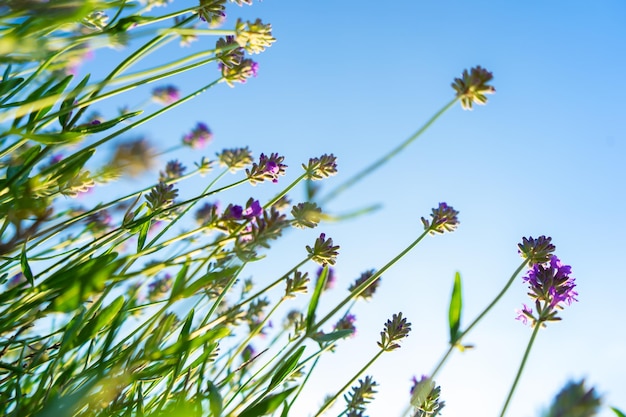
545	156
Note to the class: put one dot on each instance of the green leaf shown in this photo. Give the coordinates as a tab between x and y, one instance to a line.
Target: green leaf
456	305
58	88
331	337
77	283
25	267
179	282
618	412
27	158
215	400
206	279
7	85
286	369
315	298
143	234
98	323
89	128
267	405
187	345
68	103
58	138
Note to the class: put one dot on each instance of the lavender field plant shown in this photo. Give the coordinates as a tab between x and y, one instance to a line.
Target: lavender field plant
139	304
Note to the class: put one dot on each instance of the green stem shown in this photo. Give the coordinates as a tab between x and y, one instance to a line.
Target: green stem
272	285
331	401
385	158
364	285
521	367
455	343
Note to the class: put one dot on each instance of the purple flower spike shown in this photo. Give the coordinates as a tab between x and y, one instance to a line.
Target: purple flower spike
235	212
199	137
253	210
165	95
551	287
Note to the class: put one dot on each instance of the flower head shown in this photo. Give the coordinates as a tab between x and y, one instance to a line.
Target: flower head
253	209
268	168
444	219
396	329
235	159
322	167
212	11
199	136
306	215
368	292
537	251
551	286
472	87
347	323
165	95
239	73
207	214
323	252
173	170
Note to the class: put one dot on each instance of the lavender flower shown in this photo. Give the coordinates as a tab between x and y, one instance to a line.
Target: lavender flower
472	87
207	214
268	168
239	73
346	323
253	209
165	95
368	292
306	215
322	167
537	251
212	11
199	137
524	314
173	170
235	159
233	212
551	286
323	252
229	53
444	219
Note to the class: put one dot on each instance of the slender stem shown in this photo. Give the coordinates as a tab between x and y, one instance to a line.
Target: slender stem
272	285
454	343
364	285
385	158
356	292
330	402
521	367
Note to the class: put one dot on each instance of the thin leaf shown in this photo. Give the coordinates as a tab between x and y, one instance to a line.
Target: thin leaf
179	282
99	322
331	337
315	298
94	128
456	305
26	267
618	412
267	405
8	85
215	400
54	90
286	369
143	234
68	103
